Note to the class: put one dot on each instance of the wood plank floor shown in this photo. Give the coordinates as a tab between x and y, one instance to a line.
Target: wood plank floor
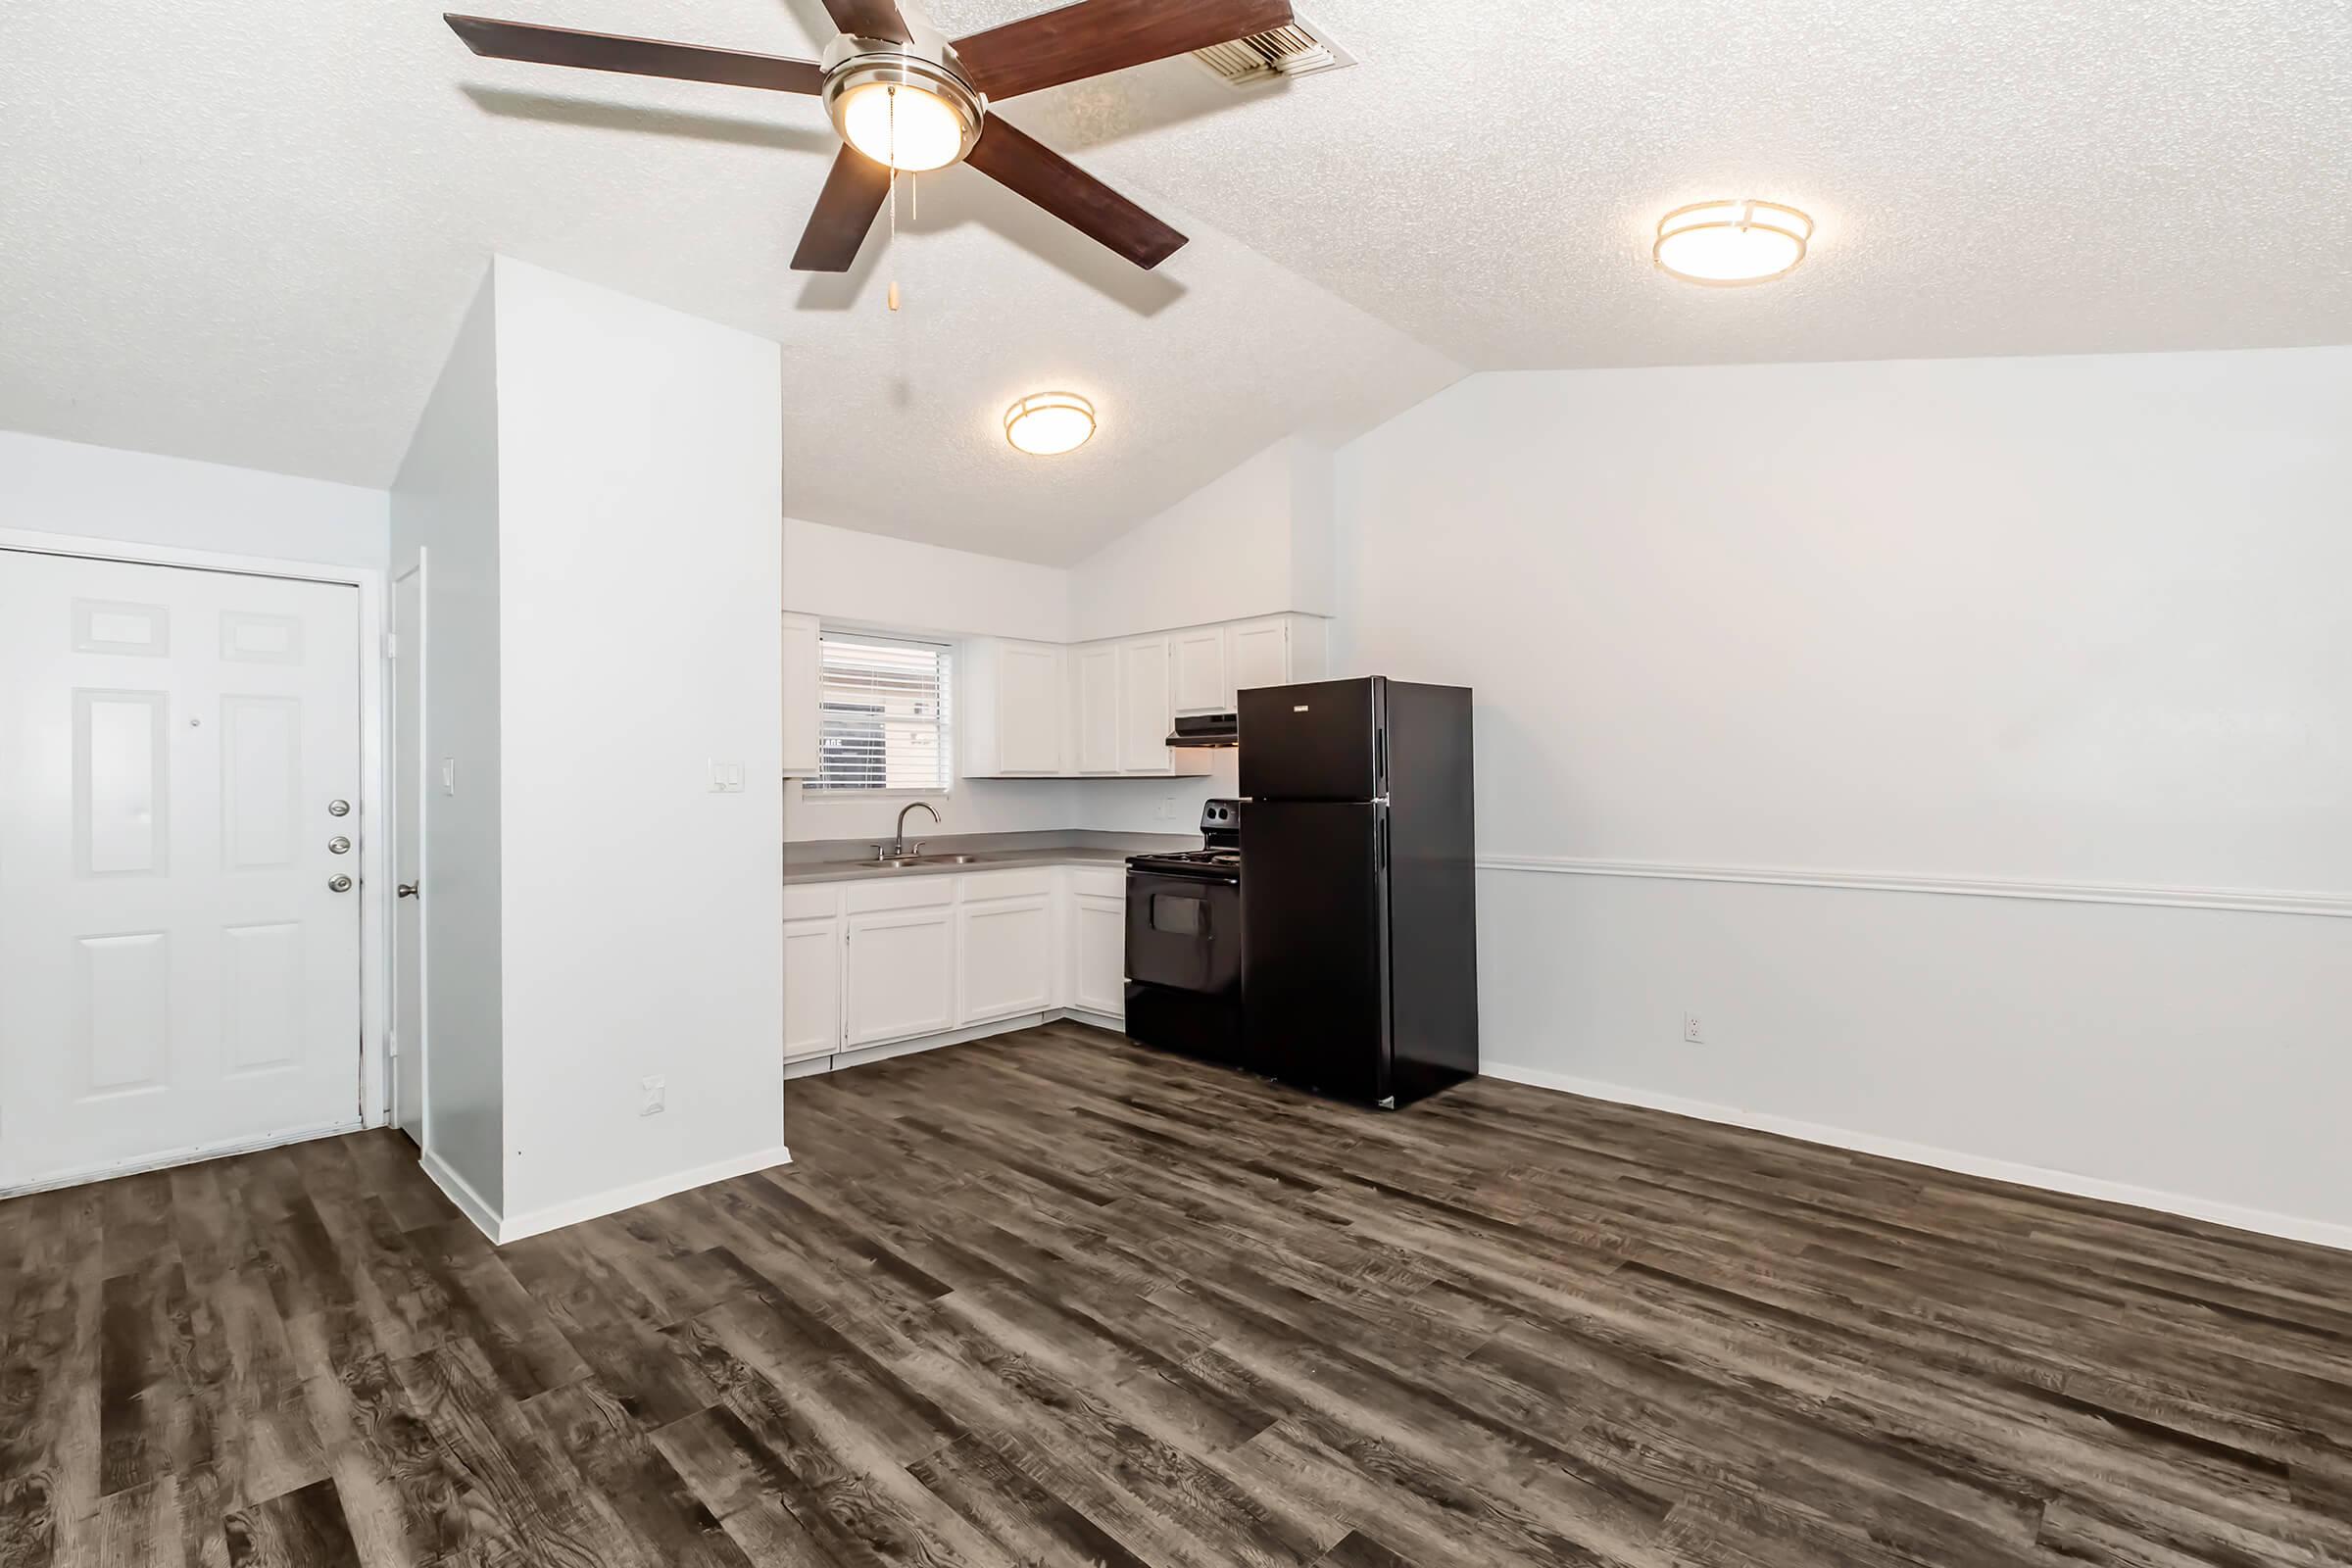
1051	1298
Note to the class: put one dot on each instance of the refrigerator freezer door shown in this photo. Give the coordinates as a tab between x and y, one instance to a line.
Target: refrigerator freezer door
1315	742
1314	970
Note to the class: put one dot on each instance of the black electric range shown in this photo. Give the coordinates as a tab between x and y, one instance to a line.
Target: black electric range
1184	942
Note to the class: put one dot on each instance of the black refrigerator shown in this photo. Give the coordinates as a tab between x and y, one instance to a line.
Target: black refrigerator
1359	910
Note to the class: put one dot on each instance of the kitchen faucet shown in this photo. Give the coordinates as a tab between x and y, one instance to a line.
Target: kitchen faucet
898	845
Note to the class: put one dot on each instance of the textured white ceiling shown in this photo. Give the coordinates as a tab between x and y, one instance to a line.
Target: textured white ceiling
244	229
1989	177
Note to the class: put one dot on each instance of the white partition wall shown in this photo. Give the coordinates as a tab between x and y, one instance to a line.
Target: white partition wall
602	754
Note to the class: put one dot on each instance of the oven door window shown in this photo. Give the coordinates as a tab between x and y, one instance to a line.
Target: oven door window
1179	914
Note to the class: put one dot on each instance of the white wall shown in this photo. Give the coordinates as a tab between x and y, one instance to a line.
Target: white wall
1253	542
640	570
898	584
64	487
444	505
2068	624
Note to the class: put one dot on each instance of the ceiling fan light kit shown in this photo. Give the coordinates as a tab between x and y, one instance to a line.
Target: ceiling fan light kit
1731	244
904	105
1046	425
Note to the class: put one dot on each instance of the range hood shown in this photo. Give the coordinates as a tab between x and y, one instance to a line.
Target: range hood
1208	729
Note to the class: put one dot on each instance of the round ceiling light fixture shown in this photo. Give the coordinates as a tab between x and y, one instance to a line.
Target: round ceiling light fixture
903	104
1045	424
1728	244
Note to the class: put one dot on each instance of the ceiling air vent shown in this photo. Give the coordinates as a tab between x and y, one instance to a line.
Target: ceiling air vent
1297	50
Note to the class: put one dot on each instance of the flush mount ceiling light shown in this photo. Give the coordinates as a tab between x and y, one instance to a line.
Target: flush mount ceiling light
903	104
1045	424
1727	244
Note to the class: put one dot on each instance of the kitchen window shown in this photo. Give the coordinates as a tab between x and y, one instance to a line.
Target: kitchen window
882	715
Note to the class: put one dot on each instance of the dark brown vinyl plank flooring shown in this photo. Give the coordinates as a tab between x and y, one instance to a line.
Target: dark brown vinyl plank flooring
1051	1299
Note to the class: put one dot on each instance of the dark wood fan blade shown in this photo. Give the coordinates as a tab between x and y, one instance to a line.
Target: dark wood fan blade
637	57
845	210
869	18
1100	35
1020	162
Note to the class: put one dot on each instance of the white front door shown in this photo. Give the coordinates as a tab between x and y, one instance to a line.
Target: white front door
178	974
408	852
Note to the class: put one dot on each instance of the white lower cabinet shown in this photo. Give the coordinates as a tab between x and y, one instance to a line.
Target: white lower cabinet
1005	953
872	962
899	960
1097	943
811	988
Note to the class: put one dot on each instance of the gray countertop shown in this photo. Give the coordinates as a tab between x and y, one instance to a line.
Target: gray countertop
851	860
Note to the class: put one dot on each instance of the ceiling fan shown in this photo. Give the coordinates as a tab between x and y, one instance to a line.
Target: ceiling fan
906	100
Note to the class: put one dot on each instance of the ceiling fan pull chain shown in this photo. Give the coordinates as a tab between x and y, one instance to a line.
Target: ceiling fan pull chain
894	190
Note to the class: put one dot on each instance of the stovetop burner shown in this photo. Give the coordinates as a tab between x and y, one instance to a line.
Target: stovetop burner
1220	831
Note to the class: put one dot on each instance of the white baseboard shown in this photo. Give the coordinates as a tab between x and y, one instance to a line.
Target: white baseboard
459	1191
503	1228
613	1199
180	1156
859	1055
2261	1222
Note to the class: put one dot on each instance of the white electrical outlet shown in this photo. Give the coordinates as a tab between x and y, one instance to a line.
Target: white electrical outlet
652	1096
1690	1030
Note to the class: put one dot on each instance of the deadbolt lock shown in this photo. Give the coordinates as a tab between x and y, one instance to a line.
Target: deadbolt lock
338	807
338	845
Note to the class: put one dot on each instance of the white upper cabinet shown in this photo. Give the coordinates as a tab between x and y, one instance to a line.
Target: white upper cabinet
1261	652
1095	708
1203	685
1146	705
1042	710
1012	708
800	700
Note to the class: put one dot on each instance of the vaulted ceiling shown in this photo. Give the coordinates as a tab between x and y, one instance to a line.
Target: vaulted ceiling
244	229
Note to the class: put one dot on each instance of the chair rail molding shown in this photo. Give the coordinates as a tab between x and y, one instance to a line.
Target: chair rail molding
2243	900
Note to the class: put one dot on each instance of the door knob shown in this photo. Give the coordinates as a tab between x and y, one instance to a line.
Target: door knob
338	845
338	807
407	890
339	884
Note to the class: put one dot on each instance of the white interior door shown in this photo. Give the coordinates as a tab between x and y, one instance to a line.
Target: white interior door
408	806
176	973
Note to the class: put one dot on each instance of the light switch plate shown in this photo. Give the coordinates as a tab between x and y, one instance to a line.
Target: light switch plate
726	778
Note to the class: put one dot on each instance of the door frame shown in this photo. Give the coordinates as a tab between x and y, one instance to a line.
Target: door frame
422	570
376	825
